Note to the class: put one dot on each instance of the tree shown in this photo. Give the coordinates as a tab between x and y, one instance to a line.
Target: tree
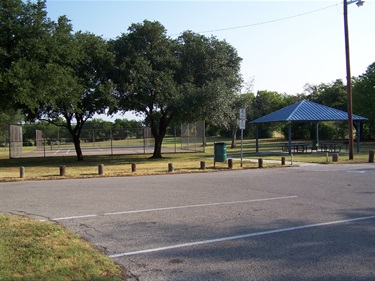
173	80
333	95
70	79
23	27
145	66
364	99
124	128
266	102
228	124
127	124
240	101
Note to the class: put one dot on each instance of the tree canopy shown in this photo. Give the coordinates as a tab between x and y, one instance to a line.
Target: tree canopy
23	28
170	80
48	72
60	73
364	99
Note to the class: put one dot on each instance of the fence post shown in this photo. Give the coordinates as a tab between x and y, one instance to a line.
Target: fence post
111	136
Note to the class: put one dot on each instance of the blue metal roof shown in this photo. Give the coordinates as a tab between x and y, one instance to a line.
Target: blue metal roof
306	111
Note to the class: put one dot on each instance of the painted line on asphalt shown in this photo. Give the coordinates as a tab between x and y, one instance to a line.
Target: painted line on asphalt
171	208
244	236
199	205
70	218
365	171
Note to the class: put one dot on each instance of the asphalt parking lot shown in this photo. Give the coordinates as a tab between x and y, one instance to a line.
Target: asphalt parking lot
303	223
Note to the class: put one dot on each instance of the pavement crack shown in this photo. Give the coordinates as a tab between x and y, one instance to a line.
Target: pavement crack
86	229
130	276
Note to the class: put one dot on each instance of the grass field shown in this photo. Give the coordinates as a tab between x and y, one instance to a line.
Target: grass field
40	168
33	250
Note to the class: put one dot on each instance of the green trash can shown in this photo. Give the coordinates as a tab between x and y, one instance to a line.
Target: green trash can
220	152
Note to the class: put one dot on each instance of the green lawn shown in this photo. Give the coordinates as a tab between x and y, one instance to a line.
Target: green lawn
120	165
32	251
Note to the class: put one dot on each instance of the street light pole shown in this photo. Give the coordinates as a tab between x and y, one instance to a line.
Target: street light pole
348	83
348	76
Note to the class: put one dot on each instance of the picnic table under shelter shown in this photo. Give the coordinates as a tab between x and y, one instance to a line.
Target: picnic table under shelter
306	111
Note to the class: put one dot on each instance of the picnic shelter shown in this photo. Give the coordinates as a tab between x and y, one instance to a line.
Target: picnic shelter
307	111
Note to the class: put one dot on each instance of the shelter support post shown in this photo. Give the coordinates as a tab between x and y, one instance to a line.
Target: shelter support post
358	135
290	138
256	138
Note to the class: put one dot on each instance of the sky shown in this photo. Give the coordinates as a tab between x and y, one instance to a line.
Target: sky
284	44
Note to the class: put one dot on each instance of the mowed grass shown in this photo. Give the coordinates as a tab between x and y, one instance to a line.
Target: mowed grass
121	165
32	250
116	165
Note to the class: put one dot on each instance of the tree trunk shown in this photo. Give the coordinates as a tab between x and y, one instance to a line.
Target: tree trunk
77	146
157	147
159	136
234	138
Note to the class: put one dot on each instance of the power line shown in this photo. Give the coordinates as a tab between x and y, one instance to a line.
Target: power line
265	22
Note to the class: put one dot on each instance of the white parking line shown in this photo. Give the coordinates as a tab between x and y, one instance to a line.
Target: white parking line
238	237
69	218
199	205
172	208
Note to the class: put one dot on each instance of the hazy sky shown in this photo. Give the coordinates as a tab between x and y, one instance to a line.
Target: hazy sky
283	44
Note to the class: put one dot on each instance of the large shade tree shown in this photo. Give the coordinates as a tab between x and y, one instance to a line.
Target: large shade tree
23	27
169	80
67	77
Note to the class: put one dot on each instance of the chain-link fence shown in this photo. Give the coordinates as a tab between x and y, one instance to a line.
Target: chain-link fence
193	136
57	141
15	141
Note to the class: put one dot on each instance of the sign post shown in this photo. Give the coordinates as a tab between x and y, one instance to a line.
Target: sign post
242	127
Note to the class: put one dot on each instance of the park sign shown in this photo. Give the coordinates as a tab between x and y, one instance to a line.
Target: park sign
242	118
242	124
